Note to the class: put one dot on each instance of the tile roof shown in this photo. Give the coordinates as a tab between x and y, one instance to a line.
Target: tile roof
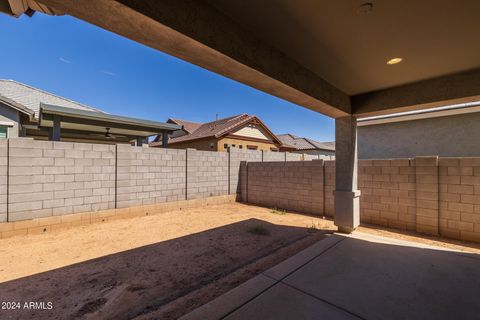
214	128
30	97
327	145
188	126
305	143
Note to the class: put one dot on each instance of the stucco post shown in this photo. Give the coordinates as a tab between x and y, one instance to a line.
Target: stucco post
346	196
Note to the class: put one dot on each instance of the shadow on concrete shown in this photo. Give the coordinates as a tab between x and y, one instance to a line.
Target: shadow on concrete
138	281
367	278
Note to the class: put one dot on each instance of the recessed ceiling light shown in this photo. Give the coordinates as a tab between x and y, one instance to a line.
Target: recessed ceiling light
394	61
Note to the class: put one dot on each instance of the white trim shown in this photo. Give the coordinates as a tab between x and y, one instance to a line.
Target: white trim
7	123
471	107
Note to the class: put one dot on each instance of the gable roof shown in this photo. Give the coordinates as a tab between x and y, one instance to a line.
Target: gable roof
305	143
188	126
214	129
28	98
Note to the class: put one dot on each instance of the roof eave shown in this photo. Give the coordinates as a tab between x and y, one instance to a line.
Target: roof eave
18	107
92	115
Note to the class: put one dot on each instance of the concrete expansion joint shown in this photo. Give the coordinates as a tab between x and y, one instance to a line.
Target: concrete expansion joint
324	301
308	260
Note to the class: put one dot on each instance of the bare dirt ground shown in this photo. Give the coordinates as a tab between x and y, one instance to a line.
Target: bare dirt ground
157	267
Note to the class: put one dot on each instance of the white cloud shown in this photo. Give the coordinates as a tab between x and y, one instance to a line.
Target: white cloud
64	60
110	73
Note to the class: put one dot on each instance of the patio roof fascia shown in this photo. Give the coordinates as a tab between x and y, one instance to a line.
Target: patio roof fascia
84	116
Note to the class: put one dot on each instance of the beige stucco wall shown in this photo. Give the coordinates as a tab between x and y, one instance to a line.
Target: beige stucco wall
266	146
252	131
203	144
218	145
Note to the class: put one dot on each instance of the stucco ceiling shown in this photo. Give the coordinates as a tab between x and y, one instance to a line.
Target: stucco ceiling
350	50
323	55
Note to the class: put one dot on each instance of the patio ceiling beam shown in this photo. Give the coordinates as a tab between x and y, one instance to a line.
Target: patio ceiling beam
197	32
451	89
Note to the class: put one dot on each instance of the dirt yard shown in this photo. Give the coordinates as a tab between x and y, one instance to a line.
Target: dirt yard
151	267
156	267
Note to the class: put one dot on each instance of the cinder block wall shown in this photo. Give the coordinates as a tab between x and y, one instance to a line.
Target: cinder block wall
207	174
40	179
430	195
274	156
236	158
309	157
388	192
287	185
297	156
459	198
52	178
438	196
149	175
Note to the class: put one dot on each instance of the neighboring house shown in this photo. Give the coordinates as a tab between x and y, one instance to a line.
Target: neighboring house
452	131
26	111
241	131
308	146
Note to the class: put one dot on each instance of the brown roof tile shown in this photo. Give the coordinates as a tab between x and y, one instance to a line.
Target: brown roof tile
188	126
214	128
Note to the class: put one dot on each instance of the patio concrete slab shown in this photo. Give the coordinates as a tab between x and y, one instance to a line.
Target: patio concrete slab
234	299
297	261
282	302
363	276
384	280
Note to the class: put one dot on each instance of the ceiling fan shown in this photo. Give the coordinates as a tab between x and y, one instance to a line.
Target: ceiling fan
108	135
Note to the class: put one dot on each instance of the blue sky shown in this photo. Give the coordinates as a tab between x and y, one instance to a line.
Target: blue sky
82	62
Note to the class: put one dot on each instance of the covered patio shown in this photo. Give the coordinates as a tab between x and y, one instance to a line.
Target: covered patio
346	60
60	123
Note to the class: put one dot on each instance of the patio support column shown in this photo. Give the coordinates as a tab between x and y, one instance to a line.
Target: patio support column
140	141
165	139
346	196
54	132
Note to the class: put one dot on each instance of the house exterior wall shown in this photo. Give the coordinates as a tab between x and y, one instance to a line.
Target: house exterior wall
219	144
9	114
448	136
265	146
200	144
251	131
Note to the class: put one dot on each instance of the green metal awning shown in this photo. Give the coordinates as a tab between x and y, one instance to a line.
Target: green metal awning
88	123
